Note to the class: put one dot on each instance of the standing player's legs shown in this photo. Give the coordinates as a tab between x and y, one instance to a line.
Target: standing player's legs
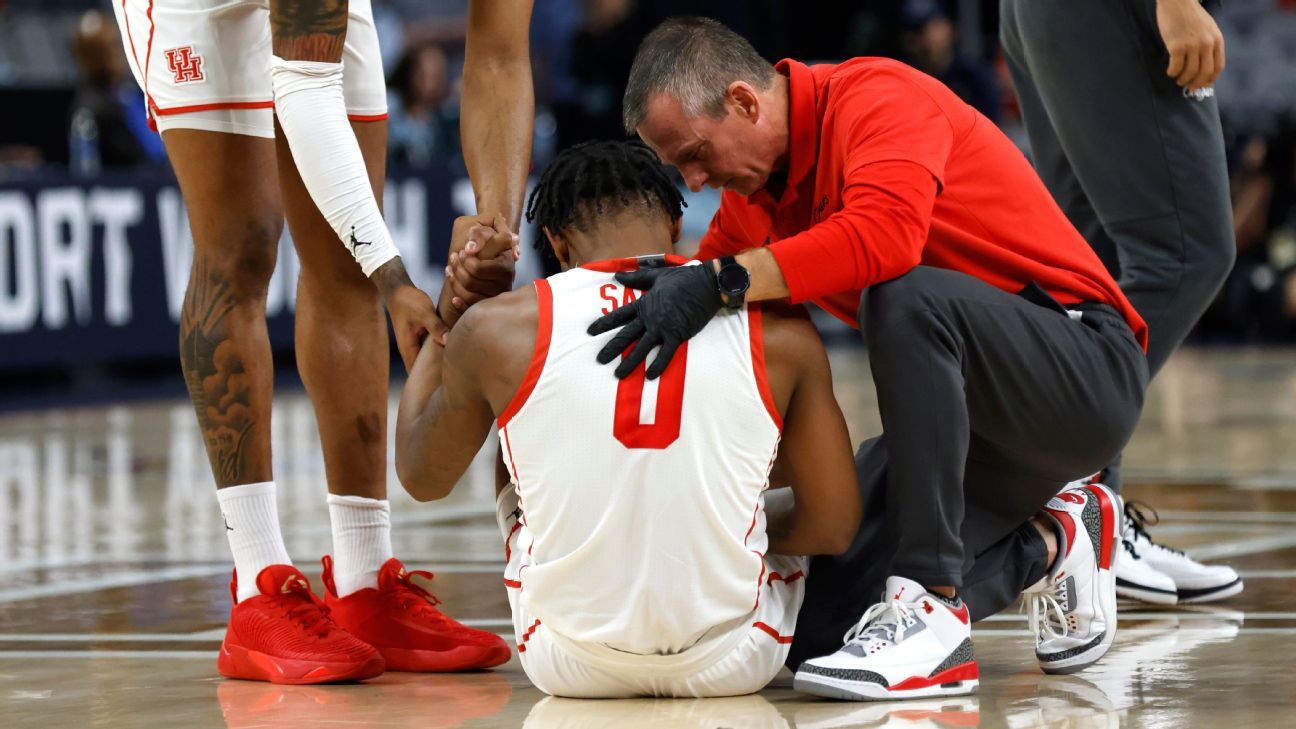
228	185
1117	142
1139	169
343	357
202	65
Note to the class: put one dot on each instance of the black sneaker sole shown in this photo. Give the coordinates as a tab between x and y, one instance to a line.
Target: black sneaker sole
1154	595
1209	594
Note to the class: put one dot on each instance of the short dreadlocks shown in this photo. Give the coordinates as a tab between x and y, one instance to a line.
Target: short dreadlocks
592	179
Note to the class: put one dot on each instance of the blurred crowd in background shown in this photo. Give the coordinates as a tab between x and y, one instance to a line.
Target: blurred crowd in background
72	106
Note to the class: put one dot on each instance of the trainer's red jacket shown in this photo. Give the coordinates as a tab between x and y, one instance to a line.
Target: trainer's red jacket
888	169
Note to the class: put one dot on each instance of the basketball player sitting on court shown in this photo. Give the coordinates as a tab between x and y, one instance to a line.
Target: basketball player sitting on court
641	559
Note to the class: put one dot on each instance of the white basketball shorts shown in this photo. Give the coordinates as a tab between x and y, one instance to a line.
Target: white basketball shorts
740	659
205	64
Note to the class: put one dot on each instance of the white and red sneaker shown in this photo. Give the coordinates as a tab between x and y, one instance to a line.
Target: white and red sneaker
1073	609
913	644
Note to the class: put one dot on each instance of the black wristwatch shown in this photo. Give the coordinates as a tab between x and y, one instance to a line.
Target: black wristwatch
733	281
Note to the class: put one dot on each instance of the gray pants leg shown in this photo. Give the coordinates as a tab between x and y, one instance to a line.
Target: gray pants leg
1137	167
988	403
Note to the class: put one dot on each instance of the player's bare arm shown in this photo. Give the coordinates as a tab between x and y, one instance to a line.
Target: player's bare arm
413	316
495	129
454	392
815	456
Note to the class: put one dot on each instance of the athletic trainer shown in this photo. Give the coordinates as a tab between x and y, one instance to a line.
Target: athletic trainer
1006	358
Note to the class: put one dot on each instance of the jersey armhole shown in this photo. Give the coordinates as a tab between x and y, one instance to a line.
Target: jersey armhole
544	334
756	330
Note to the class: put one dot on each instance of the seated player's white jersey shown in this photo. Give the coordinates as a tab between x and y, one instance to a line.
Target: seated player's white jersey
642	501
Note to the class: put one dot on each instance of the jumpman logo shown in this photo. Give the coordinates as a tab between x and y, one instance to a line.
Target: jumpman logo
357	243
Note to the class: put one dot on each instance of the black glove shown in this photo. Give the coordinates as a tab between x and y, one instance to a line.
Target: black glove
680	301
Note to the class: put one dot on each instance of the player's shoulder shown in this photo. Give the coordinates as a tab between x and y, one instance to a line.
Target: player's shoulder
790	337
498	321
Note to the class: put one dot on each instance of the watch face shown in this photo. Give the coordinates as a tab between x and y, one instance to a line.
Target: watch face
734	279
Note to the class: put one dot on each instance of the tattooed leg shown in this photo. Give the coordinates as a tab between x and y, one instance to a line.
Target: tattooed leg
230	191
308	30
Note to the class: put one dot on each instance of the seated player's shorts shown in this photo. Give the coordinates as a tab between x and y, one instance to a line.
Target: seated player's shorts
205	64
737	659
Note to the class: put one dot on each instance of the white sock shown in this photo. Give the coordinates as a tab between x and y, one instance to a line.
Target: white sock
312	111
361	541
252	525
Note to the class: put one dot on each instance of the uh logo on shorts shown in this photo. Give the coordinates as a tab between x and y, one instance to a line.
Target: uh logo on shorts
184	64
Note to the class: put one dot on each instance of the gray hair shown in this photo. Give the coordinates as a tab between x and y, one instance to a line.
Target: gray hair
694	60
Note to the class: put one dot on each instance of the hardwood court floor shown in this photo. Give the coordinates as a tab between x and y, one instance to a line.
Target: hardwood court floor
114	572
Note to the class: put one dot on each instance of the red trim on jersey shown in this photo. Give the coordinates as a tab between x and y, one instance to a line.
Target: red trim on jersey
776	577
617	265
148	56
367	117
512	583
508	448
751	528
544	333
756	329
210	107
130	38
772	632
760	580
508	551
527	636
517	479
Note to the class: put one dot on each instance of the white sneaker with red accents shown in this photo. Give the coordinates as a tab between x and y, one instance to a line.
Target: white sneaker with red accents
911	645
1073	609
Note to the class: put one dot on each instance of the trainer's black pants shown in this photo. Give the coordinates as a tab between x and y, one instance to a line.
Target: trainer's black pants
1138	167
990	402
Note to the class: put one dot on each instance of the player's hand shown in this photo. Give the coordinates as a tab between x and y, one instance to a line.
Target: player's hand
1194	41
414	319
483	260
680	301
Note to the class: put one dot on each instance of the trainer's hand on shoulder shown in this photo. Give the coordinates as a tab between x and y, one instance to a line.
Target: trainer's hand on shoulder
679	303
1194	41
483	260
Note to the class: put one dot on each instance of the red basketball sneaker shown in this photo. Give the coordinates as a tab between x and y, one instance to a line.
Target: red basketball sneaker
400	619
285	635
